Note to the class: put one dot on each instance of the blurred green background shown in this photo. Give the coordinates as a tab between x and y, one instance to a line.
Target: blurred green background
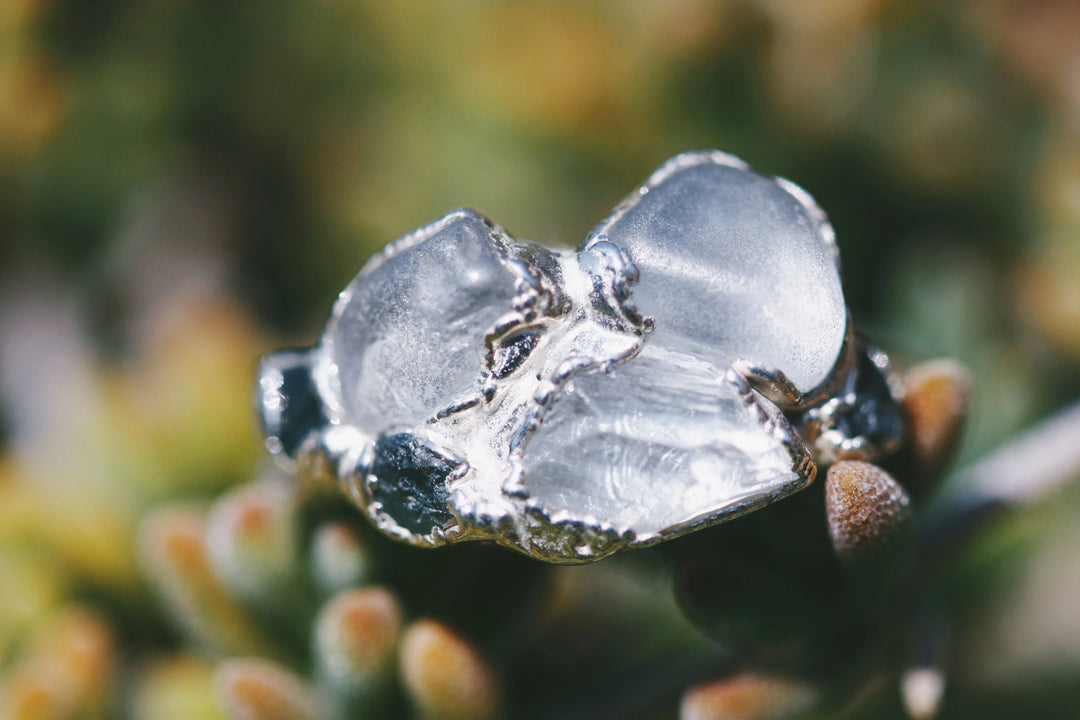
185	185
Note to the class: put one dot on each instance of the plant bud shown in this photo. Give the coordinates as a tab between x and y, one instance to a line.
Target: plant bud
356	638
748	697
445	676
254	689
339	560
174	560
66	671
936	404
866	508
29	694
253	542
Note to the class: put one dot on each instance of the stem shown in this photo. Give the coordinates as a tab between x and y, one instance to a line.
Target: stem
1023	471
1031	466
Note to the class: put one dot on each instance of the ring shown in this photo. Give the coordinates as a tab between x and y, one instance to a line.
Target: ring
692	361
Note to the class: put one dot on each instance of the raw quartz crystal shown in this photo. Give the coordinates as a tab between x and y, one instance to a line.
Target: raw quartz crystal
568	404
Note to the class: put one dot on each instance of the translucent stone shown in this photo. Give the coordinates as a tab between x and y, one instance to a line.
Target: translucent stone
407	337
659	442
734	265
569	404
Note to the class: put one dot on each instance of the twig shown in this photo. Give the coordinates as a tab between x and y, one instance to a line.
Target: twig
1023	471
1031	466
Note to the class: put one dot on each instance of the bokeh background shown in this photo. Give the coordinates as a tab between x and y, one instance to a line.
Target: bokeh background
185	185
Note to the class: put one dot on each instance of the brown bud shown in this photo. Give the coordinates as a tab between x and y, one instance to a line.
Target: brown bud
356	637
79	644
66	670
747	697
174	559
339	560
252	541
445	675
28	694
936	401
255	689
866	509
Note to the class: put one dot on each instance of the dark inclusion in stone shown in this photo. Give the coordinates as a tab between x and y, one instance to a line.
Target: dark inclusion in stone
409	480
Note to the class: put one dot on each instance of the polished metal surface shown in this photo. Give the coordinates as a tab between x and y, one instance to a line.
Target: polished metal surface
568	404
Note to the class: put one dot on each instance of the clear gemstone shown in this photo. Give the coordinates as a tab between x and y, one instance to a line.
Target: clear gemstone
407	337
659	442
734	266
